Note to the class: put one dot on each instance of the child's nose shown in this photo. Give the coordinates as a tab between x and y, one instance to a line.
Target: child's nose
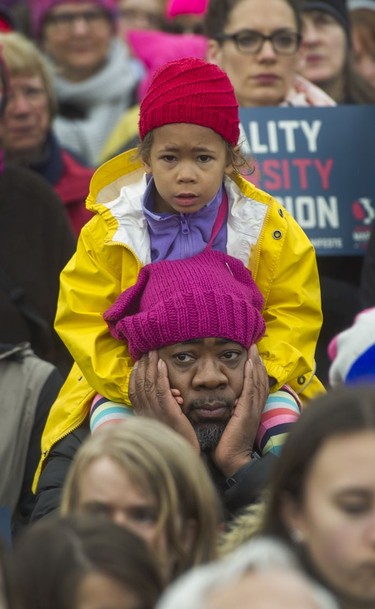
186	172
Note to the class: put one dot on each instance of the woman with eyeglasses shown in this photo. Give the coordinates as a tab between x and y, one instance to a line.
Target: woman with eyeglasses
257	43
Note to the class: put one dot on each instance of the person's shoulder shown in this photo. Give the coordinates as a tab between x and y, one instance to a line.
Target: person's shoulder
249	190
74	167
38	205
18	180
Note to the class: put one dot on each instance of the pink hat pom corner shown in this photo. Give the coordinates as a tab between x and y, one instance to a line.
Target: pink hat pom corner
186	7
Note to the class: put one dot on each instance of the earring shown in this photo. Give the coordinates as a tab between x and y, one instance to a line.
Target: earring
296	536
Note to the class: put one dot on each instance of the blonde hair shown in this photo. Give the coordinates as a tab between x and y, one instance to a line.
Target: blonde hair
161	462
23	58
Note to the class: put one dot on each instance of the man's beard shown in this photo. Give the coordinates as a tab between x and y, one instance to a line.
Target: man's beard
209	435
209	432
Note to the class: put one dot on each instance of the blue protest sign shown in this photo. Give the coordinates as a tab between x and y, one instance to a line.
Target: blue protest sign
320	164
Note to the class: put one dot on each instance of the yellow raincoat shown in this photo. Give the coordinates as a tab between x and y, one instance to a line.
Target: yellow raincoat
115	244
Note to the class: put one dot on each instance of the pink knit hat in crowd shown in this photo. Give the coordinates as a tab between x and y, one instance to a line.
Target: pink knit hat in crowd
39	9
191	90
186	7
209	295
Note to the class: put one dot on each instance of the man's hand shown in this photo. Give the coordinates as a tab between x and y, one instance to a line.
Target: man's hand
236	444
151	396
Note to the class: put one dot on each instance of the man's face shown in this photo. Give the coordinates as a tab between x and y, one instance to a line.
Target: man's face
209	373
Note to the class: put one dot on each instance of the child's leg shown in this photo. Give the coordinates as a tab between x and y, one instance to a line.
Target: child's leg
281	410
104	412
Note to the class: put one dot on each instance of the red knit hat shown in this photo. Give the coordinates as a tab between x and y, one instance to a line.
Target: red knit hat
191	90
211	295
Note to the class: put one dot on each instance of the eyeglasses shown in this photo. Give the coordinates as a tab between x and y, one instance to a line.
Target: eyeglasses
250	41
64	22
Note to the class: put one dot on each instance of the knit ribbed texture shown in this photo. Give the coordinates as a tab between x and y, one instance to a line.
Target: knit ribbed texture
40	8
209	295
190	90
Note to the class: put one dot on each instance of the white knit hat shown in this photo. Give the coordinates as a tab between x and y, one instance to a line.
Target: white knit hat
353	351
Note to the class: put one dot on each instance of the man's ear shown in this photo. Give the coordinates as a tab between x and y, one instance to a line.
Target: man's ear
214	53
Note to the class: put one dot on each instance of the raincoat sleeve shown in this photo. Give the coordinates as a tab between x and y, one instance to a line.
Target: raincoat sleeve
89	284
287	275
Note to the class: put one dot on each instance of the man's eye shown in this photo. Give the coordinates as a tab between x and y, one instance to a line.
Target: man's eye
230	355
183	357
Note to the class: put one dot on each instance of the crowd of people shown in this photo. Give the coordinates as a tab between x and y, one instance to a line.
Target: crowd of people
188	389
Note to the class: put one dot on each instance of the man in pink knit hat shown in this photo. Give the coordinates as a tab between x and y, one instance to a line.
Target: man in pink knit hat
202	315
191	326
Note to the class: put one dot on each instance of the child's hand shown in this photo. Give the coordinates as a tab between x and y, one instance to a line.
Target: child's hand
177	395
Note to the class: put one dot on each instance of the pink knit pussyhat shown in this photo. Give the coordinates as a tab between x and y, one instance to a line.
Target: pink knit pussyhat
191	90
39	10
186	7
211	295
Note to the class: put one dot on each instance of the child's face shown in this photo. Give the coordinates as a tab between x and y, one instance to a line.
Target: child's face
188	163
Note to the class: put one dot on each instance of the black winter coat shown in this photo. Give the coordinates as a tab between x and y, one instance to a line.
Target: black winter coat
36	241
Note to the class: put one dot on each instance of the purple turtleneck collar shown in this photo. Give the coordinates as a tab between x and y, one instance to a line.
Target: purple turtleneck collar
177	235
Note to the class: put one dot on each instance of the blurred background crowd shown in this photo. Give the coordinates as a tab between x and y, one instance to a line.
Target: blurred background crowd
139	510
